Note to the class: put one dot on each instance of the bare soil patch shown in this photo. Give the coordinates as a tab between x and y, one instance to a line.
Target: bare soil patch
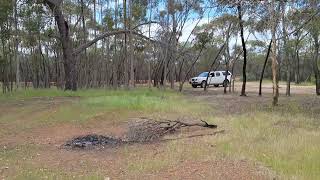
221	169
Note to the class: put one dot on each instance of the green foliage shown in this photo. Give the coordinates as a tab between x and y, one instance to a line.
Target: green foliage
5	11
202	39
108	20
139	11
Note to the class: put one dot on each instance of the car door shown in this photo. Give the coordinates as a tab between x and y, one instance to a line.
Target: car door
224	76
211	78
216	78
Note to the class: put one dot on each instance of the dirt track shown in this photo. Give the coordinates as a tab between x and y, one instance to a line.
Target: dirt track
252	89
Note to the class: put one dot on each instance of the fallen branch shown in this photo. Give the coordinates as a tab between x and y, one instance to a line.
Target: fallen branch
194	136
150	130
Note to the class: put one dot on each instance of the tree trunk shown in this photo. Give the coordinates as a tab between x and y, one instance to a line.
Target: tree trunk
174	48
68	58
226	79
125	53
315	36
107	73
114	59
297	73
244	75
149	47
274	55
16	50
264	67
131	57
227	60
164	81
315	63
285	47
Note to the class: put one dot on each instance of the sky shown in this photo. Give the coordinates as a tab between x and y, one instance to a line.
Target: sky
192	21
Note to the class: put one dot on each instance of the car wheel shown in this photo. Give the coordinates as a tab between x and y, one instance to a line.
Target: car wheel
203	84
216	85
225	83
194	86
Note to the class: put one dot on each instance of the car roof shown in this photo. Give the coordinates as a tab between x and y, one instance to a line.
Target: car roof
219	71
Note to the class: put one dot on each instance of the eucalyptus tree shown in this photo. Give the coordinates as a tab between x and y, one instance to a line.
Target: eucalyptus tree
137	16
285	45
34	25
5	34
226	27
294	21
241	8
69	51
314	32
275	65
178	13
305	18
244	49
16	42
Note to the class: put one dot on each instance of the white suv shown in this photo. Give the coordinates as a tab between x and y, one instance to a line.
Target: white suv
215	78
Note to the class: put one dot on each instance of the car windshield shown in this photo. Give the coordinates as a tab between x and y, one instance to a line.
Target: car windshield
204	74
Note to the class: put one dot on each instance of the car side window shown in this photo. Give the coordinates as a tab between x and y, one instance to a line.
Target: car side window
217	74
212	74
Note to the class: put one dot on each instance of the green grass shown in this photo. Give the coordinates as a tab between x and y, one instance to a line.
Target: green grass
141	99
33	108
283	138
53	92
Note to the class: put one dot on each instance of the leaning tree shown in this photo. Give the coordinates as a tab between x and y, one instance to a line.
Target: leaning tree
68	50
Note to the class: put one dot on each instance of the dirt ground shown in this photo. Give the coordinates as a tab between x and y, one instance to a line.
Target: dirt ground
113	163
252	89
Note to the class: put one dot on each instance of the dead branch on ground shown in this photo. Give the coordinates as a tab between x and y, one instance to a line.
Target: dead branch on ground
150	130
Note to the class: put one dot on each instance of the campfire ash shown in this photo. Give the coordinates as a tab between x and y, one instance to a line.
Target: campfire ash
93	140
144	131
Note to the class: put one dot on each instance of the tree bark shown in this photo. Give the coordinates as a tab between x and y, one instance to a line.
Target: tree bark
114	59
68	58
227	61
285	47
131	57
315	36
315	63
297	75
264	67
274	55
174	47
149	46
244	67
16	50
165	64
125	60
